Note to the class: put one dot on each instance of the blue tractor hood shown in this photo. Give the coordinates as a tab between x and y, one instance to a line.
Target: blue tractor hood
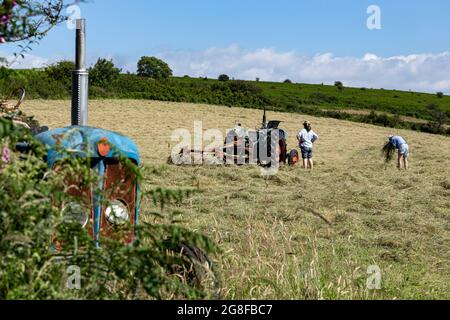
82	142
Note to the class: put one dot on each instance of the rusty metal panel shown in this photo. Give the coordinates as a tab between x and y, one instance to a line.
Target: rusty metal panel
119	184
83	193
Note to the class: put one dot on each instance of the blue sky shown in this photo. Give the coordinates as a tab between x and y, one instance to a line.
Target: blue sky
306	26
184	32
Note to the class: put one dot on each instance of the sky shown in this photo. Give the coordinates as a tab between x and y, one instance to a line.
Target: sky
311	41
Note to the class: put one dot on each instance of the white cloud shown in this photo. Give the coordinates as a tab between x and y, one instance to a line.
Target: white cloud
28	61
419	72
370	56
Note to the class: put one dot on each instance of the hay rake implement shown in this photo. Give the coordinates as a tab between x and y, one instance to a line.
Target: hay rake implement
265	146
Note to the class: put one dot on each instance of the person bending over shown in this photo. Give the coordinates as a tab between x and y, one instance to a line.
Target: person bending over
399	143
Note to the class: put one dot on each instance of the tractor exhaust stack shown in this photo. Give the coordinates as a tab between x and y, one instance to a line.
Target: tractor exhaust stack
264	122
80	78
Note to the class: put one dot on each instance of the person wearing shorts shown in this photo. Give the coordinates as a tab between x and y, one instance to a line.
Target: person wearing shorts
306	139
403	151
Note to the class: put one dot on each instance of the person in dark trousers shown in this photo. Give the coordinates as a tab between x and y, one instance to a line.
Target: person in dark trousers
306	138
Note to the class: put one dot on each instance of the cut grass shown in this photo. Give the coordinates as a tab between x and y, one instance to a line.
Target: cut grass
274	246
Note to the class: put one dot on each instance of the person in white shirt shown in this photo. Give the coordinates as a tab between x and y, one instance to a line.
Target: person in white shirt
306	139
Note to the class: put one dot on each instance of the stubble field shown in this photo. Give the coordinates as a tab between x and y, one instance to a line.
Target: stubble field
300	235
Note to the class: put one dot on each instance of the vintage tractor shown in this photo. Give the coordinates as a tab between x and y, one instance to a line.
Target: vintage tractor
266	146
112	156
110	208
104	151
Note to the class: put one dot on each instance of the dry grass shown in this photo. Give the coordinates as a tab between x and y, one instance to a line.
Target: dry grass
274	243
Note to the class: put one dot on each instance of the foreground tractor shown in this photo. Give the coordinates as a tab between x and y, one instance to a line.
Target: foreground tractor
113	157
112	204
110	208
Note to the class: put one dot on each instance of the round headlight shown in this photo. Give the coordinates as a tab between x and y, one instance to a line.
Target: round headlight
117	213
76	213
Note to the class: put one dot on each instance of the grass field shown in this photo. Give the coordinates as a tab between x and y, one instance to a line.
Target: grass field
274	238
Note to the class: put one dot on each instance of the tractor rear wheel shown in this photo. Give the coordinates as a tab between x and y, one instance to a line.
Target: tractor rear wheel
197	270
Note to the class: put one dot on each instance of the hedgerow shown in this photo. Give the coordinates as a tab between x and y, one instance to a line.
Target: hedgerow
40	247
321	101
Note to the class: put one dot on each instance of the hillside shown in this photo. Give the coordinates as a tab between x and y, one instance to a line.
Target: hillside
411	104
388	108
274	243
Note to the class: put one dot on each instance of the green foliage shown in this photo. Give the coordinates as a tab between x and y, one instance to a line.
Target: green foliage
439	119
287	81
382	119
40	246
28	21
154	68
316	100
245	87
339	85
224	77
319	97
61	72
5	72
440	95
103	73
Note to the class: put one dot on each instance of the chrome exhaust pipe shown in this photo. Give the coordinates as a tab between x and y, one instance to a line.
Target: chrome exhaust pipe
80	78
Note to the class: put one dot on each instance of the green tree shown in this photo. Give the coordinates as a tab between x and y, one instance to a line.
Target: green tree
224	77
287	81
61	71
440	95
439	119
154	68
339	85
103	73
